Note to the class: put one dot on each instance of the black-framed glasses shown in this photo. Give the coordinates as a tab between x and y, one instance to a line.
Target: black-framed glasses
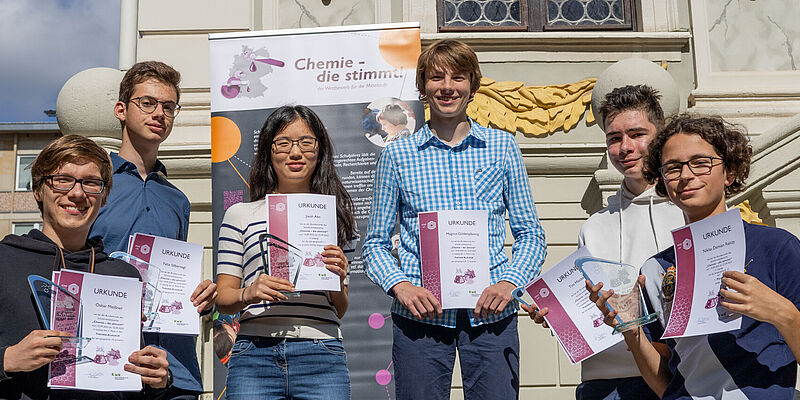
699	166
148	105
306	144
65	183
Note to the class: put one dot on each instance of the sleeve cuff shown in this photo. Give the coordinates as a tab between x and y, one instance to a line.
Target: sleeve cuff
515	278
3	375
392	280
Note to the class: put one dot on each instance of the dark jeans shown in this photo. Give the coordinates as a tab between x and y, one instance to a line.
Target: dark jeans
424	356
634	388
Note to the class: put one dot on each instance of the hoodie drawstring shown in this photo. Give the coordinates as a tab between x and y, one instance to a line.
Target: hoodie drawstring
620	230
64	262
653	223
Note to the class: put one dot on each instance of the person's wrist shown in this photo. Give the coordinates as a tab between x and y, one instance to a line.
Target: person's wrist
8	360
400	286
786	319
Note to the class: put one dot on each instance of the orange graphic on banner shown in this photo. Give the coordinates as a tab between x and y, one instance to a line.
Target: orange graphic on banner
400	47
225	141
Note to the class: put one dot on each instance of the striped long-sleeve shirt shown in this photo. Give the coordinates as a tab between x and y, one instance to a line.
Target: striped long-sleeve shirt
310	316
422	173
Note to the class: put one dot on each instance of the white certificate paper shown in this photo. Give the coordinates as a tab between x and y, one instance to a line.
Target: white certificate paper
574	319
108	317
454	255
302	225
703	251
176	270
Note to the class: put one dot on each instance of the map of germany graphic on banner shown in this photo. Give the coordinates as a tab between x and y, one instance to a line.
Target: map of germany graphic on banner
360	80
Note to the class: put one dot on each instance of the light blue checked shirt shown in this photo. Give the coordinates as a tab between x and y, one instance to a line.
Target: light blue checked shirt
483	172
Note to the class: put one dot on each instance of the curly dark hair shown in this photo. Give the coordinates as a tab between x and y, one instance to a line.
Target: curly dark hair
324	180
633	97
729	141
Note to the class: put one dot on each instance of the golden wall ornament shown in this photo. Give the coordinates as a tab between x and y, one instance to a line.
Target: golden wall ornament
542	110
533	110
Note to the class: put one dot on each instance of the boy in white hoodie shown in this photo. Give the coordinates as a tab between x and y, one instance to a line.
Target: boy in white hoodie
635	225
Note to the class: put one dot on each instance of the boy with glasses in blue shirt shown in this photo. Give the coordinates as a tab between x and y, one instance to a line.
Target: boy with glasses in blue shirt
144	201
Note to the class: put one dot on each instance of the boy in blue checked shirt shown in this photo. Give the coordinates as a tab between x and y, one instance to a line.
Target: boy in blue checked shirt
453	163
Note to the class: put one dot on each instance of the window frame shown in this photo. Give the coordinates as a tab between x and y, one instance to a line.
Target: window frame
533	18
17	187
15	224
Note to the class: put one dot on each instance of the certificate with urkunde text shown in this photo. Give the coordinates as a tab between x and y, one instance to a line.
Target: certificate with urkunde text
175	270
454	255
299	226
703	251
575	320
105	313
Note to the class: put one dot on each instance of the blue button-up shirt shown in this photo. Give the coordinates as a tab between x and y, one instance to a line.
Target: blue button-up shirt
483	172
155	207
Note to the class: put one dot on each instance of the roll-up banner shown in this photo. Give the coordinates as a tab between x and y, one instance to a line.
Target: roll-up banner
360	80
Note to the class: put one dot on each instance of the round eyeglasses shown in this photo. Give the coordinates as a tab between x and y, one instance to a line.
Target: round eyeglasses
306	144
698	165
65	183
148	105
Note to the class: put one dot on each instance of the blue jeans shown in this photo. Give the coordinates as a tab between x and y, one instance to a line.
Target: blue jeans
424	355
633	388
278	368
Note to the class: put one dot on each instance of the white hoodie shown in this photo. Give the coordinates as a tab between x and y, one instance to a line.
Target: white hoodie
630	230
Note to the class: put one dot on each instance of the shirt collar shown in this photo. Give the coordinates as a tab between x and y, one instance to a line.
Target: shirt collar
120	164
476	132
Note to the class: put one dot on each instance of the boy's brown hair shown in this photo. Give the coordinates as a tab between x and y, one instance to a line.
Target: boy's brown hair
448	55
70	149
145	70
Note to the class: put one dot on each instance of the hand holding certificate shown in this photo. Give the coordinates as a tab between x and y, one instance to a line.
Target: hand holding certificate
454	255
299	226
171	270
703	251
105	312
576	322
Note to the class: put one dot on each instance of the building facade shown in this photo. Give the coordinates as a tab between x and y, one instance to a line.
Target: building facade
735	58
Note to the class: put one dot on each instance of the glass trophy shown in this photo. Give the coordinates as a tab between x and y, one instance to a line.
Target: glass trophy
151	295
287	260
627	300
60	309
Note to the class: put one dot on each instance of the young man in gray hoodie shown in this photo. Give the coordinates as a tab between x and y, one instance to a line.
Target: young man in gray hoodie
635	225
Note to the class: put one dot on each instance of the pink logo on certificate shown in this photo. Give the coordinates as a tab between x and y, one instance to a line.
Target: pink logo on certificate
568	334
682	302
429	254
145	249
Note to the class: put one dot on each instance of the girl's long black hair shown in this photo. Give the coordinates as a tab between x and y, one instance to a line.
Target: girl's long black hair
324	179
